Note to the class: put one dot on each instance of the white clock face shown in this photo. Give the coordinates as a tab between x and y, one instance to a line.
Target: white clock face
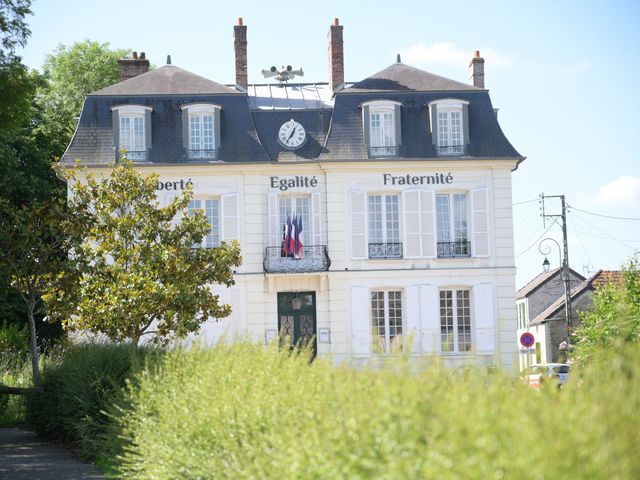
292	135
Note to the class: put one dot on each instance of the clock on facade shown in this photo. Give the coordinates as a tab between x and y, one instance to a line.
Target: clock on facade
292	135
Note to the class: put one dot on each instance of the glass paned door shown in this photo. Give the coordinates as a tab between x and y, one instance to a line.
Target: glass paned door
297	319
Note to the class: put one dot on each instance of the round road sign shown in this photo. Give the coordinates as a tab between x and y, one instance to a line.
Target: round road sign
527	339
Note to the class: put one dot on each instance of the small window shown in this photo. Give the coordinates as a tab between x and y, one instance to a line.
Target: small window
452	224
449	126
211	209
132	131
386	321
201	131
455	321
381	122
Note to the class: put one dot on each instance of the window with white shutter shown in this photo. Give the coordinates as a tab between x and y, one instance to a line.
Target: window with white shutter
358	224
480	220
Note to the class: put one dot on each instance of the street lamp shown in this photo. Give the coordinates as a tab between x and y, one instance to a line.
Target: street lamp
546	250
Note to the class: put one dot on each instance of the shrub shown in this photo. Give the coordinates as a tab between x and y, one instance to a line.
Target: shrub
245	412
79	389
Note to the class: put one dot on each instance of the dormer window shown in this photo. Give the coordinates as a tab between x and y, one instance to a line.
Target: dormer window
450	126
381	123
201	130
132	131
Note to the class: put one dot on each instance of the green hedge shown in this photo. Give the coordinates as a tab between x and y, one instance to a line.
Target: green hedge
246	412
80	388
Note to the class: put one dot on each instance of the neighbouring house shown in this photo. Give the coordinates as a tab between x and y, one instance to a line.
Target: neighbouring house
541	311
374	217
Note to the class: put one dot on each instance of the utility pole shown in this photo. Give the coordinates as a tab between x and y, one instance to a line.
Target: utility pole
565	258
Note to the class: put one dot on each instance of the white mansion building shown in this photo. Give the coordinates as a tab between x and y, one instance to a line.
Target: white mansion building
399	187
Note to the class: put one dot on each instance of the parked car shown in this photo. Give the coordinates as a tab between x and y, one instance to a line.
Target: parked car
554	373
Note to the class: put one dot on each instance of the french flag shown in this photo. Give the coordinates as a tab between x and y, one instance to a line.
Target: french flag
298	237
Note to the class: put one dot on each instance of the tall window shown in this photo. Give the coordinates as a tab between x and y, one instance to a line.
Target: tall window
382	132
522	323
455	321
384	226
386	321
132	136
301	207
450	133
201	135
453	235
211	209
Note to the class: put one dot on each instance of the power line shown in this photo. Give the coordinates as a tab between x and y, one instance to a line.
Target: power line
526	201
536	241
604	216
605	233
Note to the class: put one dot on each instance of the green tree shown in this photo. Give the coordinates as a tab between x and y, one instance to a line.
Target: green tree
615	317
34	243
71	73
137	262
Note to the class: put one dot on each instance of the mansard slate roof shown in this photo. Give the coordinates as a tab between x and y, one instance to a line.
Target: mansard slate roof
250	121
166	80
400	77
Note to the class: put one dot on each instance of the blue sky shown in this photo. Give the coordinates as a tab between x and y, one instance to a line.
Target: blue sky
563	74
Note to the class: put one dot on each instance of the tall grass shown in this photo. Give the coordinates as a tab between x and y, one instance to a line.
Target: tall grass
15	371
79	389
245	412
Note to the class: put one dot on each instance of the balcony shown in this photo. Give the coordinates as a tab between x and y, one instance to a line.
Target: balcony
451	150
454	249
202	154
314	259
387	151
385	250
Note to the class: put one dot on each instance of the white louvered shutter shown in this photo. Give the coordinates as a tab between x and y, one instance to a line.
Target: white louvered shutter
273	229
484	318
316	208
358	223
430	318
428	223
412	308
360	322
480	222
411	220
230	209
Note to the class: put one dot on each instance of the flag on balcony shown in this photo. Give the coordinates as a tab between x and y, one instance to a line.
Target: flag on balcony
293	235
283	247
298	238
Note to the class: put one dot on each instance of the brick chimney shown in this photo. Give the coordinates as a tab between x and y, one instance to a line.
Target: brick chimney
240	47
477	70
132	67
336	57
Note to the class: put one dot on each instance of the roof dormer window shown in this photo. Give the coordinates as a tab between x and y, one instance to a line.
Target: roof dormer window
450	126
201	131
381	123
132	131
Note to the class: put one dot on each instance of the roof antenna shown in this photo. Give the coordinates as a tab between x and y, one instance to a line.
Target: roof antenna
168	59
398	60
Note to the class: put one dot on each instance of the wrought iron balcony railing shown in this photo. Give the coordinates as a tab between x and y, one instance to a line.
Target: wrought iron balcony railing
385	250
454	249
202	154
387	151
452	150
313	259
136	155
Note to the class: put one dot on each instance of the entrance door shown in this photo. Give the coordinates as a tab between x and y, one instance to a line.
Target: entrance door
297	319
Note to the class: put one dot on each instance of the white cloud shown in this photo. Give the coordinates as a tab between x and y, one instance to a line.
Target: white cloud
623	192
448	53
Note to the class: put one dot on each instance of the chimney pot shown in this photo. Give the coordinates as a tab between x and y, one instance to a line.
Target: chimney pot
240	48
168	59
336	57
477	70
132	66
